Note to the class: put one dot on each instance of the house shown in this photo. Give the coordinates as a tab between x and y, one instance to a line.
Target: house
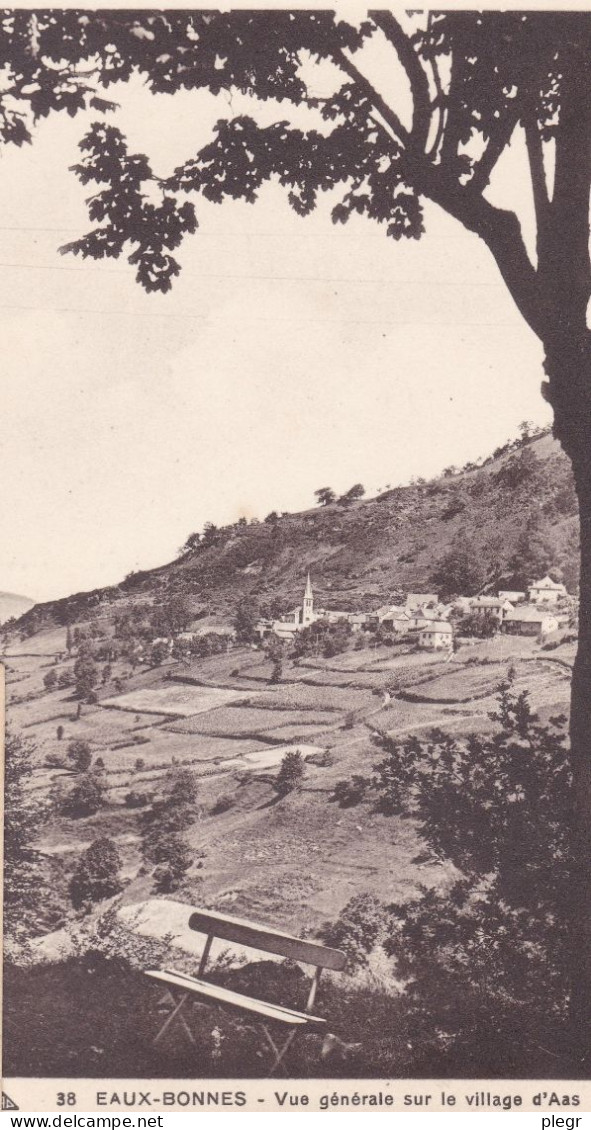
511	595
437	634
390	612
493	604
530	621
358	620
333	615
423	616
417	599
546	591
396	620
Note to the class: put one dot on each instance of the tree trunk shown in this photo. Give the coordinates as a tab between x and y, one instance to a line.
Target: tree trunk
569	369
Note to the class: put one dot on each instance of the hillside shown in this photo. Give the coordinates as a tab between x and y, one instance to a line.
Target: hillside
169	762
502	522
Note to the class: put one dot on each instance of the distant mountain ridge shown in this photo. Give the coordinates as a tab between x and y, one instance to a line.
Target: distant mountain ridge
12	604
493	523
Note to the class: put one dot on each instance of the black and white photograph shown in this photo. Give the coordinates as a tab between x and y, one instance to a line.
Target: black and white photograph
295	551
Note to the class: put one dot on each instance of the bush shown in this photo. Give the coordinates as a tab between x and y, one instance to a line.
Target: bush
136	799
97	875
174	857
86	798
358	929
291	773
498	806
50	680
80	755
480	623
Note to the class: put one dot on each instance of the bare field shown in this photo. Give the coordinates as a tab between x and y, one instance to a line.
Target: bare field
305	731
247	719
169	743
303	697
175	699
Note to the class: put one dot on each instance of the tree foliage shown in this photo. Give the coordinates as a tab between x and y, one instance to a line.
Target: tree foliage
25	813
80	754
291	773
325	496
480	622
499	807
96	876
85	674
460	571
86	797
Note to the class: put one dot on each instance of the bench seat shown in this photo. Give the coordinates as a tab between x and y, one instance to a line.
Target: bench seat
236	1000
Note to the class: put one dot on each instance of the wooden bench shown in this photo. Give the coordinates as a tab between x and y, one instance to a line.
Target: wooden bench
180	986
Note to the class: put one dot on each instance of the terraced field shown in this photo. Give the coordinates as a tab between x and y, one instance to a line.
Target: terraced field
176	699
294	860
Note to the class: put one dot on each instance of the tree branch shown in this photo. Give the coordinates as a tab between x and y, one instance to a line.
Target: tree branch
367	88
419	83
535	155
440	100
500	230
493	151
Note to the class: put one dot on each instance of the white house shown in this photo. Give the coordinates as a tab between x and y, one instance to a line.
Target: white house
546	591
494	604
437	634
423	616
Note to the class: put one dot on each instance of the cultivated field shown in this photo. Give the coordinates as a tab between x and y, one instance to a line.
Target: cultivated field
293	861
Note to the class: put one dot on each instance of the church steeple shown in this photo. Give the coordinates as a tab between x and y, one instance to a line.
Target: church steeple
308	605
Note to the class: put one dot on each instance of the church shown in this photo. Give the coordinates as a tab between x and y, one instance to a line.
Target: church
293	621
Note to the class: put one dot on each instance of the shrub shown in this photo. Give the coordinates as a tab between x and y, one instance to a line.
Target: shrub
50	680
97	875
80	755
174	857
136	799
86	798
498	806
360	926
291	773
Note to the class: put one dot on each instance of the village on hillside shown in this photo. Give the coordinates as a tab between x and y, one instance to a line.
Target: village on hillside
542	610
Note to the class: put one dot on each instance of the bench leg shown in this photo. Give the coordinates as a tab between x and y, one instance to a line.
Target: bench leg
278	1052
175	1013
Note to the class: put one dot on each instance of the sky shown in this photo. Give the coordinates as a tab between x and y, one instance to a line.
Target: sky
291	354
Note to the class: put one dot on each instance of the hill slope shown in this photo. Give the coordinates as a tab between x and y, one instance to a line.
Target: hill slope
502	522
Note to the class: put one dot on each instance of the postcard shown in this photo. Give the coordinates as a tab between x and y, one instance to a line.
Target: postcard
295	616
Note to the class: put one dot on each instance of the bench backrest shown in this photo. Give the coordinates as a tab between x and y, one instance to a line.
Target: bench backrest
263	938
